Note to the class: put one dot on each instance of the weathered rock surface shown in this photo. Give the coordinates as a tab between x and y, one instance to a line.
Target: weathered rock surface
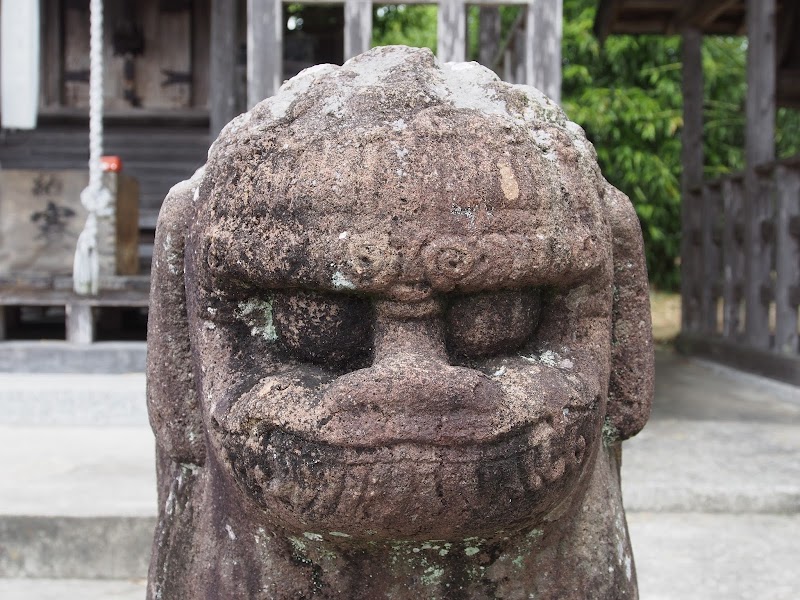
399	326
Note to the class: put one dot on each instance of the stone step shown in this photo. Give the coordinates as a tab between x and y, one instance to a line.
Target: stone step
53	547
76	502
61	589
54	356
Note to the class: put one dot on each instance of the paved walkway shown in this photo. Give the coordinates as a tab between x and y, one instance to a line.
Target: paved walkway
712	487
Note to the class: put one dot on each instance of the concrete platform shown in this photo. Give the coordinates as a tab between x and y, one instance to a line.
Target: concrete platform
693	556
76	502
64	589
53	356
698	390
712	486
77	471
72	399
713	466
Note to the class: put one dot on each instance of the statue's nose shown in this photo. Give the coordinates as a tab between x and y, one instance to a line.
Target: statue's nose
410	330
411	393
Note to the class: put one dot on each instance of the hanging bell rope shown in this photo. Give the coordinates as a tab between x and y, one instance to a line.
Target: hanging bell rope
96	198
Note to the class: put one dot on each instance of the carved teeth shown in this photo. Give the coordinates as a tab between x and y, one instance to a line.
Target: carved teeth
549	464
291	469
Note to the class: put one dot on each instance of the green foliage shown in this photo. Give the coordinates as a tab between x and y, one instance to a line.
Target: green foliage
723	105
627	96
724	66
415	25
409	24
473	32
787	132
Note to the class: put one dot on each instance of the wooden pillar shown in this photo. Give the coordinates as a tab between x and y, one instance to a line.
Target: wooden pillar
691	178
711	211
222	70
52	49
508	64
9	320
520	61
543	32
80	323
357	27
732	194
20	45
787	267
264	49
488	35
451	31
759	149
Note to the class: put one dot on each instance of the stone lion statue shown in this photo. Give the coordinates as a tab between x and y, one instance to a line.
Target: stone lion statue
399	327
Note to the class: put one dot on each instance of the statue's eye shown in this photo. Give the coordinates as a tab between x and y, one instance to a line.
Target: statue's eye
491	322
328	329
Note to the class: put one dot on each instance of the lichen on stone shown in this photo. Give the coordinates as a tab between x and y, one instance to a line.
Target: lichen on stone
340	282
610	433
257	314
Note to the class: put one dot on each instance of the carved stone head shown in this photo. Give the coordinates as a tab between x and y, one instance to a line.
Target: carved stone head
401	303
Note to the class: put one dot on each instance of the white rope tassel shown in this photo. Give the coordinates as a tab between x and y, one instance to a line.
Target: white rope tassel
96	198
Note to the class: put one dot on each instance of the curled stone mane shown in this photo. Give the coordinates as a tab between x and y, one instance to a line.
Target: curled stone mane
382	92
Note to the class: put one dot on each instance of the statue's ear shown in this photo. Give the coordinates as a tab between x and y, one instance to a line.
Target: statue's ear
171	395
630	390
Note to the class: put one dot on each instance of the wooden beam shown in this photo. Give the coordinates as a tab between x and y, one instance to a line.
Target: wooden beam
692	175
264	49
452	31
123	299
787	264
759	149
222	95
543	32
788	25
489	34
699	13
788	88
505	51
607	12
508	63
52	54
201	54
520	59
357	27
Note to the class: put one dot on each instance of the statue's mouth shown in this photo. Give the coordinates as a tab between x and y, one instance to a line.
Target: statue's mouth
404	457
407	489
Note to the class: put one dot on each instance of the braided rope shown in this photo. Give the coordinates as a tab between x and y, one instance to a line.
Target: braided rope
96	198
96	95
